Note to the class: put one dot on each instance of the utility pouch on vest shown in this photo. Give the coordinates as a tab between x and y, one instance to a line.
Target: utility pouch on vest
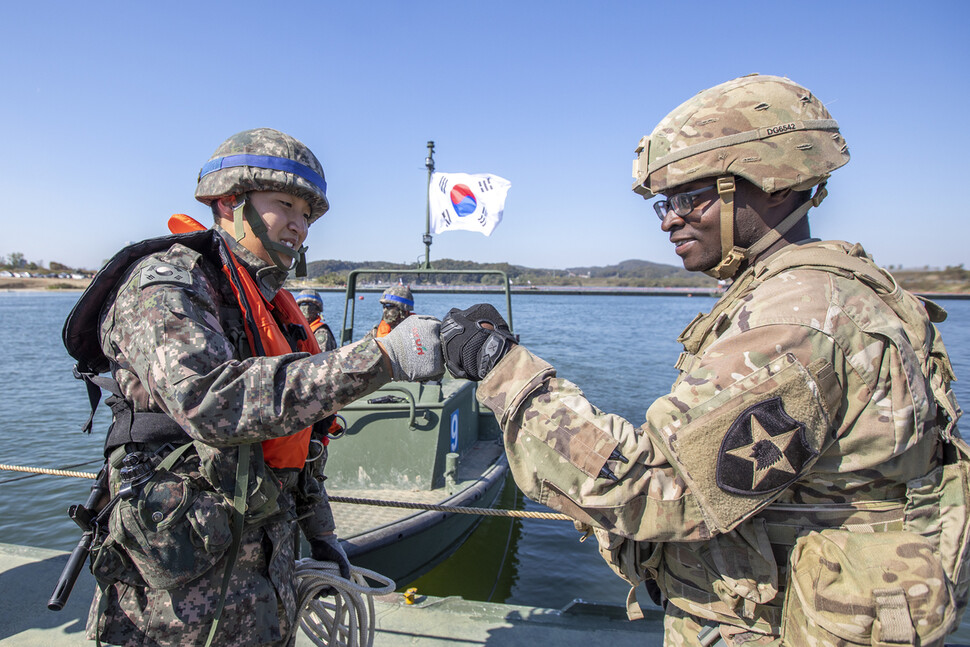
110	563
218	466
851	588
172	531
634	561
731	579
939	509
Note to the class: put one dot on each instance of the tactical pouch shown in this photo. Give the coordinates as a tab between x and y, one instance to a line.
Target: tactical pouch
634	561
218	467
938	508
730	579
854	588
172	532
110	563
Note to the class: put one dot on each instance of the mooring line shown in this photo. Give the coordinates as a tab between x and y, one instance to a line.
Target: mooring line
485	512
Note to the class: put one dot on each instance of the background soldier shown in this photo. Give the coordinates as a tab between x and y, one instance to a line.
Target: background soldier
804	477
397	303
206	368
312	307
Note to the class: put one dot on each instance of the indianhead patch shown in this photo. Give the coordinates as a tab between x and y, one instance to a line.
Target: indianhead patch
764	450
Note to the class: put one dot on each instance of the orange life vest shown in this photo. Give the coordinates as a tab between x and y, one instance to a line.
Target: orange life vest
288	452
315	324
382	329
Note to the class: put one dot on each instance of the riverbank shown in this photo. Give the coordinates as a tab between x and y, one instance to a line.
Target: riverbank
573	290
40	285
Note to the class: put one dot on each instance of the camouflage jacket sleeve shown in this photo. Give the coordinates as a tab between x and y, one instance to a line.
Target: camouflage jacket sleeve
173	356
559	444
688	476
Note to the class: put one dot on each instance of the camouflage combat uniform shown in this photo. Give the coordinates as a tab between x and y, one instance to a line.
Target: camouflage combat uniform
804	401
324	335
178	347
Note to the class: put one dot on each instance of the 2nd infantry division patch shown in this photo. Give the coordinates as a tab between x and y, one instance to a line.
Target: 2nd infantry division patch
764	450
162	273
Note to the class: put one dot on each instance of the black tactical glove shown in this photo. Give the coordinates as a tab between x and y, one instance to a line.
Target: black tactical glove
470	349
327	548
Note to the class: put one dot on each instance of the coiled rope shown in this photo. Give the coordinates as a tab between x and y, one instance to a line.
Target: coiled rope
340	617
485	512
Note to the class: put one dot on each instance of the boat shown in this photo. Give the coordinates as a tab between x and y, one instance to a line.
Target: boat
417	444
423	444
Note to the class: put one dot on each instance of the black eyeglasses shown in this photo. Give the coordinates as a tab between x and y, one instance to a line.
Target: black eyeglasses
680	203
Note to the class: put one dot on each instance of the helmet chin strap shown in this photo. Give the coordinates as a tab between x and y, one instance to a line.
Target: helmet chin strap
731	255
245	210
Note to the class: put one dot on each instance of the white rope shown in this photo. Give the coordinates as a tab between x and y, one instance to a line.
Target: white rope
338	617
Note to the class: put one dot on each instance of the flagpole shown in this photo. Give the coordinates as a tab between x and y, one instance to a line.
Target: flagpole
429	164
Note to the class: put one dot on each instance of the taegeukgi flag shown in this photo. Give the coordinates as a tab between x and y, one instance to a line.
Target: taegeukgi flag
468	202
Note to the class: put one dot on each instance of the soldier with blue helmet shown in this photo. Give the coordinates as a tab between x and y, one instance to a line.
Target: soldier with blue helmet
803	483
312	307
397	303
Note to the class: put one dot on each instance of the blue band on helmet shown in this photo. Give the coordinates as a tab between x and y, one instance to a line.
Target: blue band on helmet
268	162
407	302
315	298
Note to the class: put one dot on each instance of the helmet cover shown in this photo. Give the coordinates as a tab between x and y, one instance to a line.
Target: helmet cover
264	159
309	296
400	296
766	129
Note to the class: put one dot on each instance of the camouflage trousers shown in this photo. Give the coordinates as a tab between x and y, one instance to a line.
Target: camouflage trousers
681	630
260	603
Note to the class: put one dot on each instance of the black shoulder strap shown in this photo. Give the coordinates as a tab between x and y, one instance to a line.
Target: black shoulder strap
80	332
82	339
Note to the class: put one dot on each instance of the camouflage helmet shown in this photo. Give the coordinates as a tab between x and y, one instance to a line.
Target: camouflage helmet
309	296
264	159
766	129
400	296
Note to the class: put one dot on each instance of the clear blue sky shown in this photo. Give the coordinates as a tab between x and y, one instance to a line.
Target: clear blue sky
110	108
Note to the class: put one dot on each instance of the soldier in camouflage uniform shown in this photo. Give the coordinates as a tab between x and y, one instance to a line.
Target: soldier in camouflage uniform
397	303
178	337
803	483
312	307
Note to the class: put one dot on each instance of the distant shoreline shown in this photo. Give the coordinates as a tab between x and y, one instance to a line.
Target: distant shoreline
569	290
42	285
579	291
76	285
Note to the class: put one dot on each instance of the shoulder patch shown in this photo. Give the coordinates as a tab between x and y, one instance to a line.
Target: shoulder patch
163	273
763	450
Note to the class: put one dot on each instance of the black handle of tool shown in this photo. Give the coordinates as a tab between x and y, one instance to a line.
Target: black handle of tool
65	583
82	515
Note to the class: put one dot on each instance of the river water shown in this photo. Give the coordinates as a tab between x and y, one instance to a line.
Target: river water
619	349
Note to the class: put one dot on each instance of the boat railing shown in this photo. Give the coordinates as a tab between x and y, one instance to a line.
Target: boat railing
350	304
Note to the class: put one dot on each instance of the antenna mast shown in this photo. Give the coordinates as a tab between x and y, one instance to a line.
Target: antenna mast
429	164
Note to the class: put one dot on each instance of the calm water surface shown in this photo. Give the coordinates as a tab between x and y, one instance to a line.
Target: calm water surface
619	349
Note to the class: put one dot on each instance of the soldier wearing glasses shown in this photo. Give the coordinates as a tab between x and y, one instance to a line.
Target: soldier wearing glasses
804	481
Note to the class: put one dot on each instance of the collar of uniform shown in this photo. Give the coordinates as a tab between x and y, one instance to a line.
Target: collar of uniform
268	277
761	264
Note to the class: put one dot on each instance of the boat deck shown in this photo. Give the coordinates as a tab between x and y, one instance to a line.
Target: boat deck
354	519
